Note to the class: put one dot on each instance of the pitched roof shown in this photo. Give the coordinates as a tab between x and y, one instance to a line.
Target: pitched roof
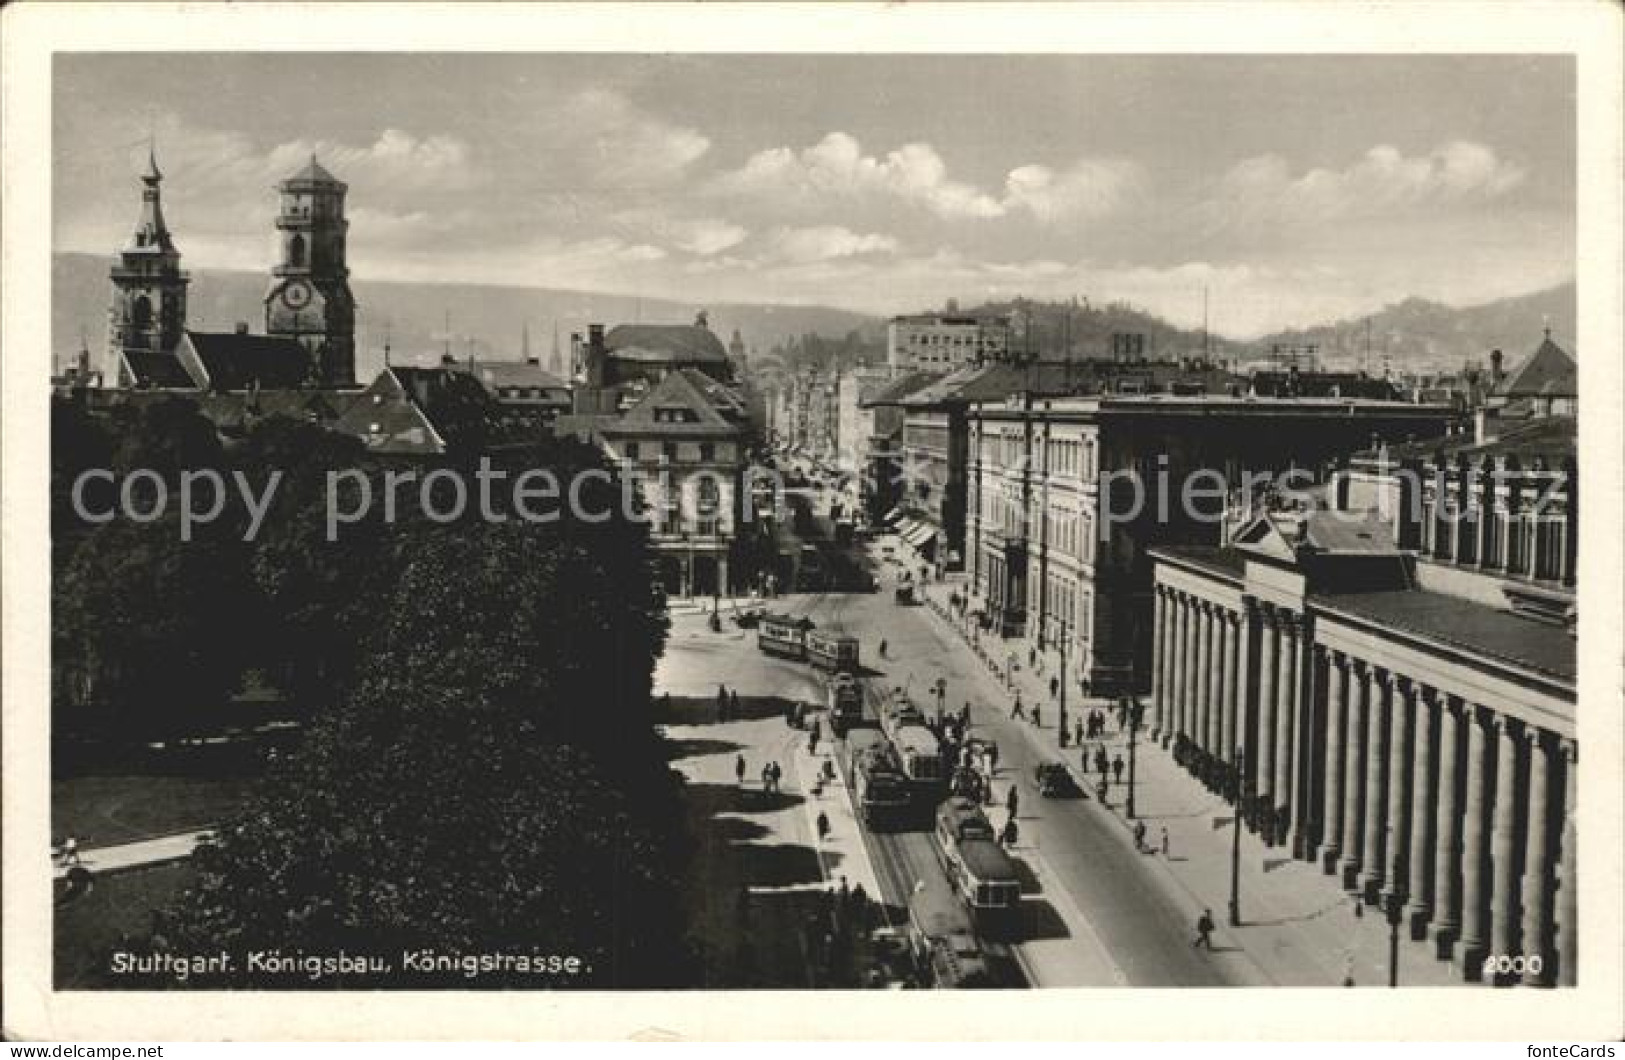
412	411
674	396
683	343
313	173
1550	438
1549	372
157	370
236	361
495	374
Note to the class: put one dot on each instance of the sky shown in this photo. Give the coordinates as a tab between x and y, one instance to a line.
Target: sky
1295	190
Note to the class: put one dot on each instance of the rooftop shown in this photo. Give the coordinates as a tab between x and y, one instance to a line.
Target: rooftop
686	343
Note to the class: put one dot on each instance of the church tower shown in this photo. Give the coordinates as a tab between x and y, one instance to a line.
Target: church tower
149	288
309	299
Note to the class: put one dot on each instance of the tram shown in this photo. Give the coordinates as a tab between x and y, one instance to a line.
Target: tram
783	635
880	791
982	872
918	749
844	700
831	651
943	938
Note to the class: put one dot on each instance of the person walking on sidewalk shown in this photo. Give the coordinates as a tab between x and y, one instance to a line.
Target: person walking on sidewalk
1077	732
1139	837
823	826
1012	800
722	702
733	703
1038	720
767	778
1054	687
1101	762
1016	713
1165	841
812	738
882	648
1011	832
739	770
1204	931
1117	769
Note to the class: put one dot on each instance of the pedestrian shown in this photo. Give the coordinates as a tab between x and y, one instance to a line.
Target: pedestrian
812	738
733	704
1117	769
1016	713
1077	732
992	758
1032	657
1101	762
1011	832
739	770
767	778
823	826
1012	800
1054	687
1204	931
778	777
845	893
1139	836
1165	841
860	908
722	702
1038	721
964	715
882	648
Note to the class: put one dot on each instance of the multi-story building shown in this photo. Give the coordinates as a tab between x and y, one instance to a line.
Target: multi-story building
1386	677
943	342
1066	494
660	400
855	420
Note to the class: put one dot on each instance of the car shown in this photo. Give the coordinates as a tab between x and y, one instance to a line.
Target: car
1054	781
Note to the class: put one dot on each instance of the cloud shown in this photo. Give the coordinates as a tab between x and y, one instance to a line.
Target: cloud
1088	188
701	236
1383	182
826	242
836	169
616	142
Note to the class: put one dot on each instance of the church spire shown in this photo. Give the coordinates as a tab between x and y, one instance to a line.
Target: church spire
151	235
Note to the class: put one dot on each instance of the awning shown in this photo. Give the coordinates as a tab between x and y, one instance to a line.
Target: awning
919	534
892	516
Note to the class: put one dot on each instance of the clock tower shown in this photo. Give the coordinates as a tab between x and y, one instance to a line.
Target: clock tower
149	289
309	299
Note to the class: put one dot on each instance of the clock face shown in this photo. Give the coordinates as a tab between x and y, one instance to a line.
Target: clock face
296	295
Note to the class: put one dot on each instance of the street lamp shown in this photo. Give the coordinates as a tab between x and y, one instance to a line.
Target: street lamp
1235	841
1060	624
942	693
1395	908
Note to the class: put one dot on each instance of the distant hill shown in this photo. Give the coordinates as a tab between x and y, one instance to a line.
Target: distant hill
485	319
1420	334
1085	328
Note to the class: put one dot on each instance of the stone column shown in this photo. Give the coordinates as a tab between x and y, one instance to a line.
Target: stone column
1232	691
1176	697
1215	710
1447	844
1203	686
1475	808
1399	720
1419	895
1374	850
1504	845
1159	655
1170	653
1568	924
1193	672
1286	726
1354	737
1337	706
1537	866
1264	796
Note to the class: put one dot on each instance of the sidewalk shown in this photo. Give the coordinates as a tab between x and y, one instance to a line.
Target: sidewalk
177	847
1299	927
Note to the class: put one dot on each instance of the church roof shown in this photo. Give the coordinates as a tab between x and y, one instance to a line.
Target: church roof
684	343
1549	372
237	361
157	370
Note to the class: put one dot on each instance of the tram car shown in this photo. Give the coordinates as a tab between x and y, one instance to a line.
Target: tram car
982	872
783	635
880	791
946	950
831	651
919	752
844	700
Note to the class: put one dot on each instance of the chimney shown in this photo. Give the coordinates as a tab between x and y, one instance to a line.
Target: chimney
241	328
1497	371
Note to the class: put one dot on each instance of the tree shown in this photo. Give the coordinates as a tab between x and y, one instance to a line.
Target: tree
491	785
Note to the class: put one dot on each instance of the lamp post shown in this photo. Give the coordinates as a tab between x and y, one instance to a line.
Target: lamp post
1395	908
1235	841
942	693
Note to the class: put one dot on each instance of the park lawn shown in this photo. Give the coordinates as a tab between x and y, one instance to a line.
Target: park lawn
103	811
88	929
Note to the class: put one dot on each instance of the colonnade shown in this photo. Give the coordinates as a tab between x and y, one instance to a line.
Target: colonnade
1459	818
